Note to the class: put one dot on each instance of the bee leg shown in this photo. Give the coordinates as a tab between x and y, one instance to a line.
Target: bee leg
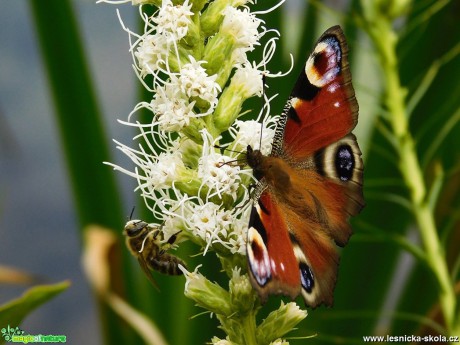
173	237
155	233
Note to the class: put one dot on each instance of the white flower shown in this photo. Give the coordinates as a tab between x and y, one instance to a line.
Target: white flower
151	52
173	20
215	225
172	109
153	171
172	102
279	342
249	133
164	171
216	171
217	341
236	243
210	223
242	25
221	178
195	82
153	47
250	79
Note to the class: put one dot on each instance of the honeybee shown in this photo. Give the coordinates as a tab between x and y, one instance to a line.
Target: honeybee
144	242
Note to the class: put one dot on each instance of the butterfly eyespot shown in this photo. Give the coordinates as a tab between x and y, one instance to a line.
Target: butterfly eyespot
324	63
259	262
344	162
306	277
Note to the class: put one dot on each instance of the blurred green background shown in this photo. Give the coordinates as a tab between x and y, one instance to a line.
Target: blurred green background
71	59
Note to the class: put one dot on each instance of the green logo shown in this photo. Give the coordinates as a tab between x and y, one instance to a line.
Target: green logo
9	332
16	335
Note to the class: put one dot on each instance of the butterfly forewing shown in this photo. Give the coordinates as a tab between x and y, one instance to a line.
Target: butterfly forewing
323	104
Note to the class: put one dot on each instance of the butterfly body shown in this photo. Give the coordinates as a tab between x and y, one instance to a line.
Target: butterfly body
310	184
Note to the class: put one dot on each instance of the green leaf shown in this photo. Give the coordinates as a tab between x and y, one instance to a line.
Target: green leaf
13	312
78	115
82	134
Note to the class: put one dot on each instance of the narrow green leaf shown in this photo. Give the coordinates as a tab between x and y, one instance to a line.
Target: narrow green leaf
440	137
379	234
13	312
77	113
84	143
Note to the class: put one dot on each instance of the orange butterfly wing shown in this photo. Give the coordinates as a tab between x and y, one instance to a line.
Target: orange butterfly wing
323	104
310	185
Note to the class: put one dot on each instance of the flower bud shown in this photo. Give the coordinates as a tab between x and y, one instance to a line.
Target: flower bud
279	322
206	294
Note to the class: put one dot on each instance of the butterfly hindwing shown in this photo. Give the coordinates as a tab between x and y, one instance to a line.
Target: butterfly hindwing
277	262
272	263
310	184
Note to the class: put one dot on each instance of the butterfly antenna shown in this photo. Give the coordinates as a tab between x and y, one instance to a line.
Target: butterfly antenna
262	117
226	149
243	160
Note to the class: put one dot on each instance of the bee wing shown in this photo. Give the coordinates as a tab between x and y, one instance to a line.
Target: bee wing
147	272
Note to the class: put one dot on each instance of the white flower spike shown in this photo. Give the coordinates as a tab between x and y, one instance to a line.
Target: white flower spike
192	57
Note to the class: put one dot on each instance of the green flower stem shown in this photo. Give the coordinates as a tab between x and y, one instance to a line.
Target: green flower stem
236	309
240	328
385	40
249	328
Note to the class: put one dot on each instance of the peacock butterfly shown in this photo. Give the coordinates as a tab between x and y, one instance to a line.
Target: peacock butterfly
310	184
